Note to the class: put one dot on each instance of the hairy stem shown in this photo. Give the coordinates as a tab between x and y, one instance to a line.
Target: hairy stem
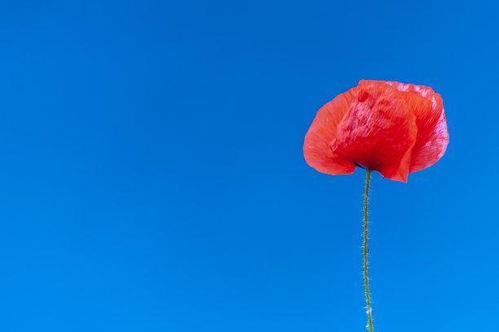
365	253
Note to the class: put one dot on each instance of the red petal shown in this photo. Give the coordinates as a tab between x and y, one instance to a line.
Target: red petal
433	137
322	132
379	131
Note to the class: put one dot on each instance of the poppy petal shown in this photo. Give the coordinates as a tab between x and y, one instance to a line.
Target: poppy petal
379	131
322	132
433	136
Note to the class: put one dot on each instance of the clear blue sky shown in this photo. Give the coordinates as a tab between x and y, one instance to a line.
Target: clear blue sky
152	176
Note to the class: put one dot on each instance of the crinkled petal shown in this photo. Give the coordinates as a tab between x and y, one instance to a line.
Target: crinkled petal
322	132
433	136
379	131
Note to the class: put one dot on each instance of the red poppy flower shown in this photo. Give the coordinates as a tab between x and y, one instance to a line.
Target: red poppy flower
390	127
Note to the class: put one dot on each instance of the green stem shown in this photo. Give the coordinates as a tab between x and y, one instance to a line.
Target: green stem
365	253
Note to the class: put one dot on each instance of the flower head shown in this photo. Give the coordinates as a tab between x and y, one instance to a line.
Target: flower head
390	127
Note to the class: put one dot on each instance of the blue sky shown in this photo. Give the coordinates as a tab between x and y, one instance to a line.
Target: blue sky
153	179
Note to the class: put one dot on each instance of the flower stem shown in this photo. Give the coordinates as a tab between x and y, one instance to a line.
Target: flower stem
365	253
